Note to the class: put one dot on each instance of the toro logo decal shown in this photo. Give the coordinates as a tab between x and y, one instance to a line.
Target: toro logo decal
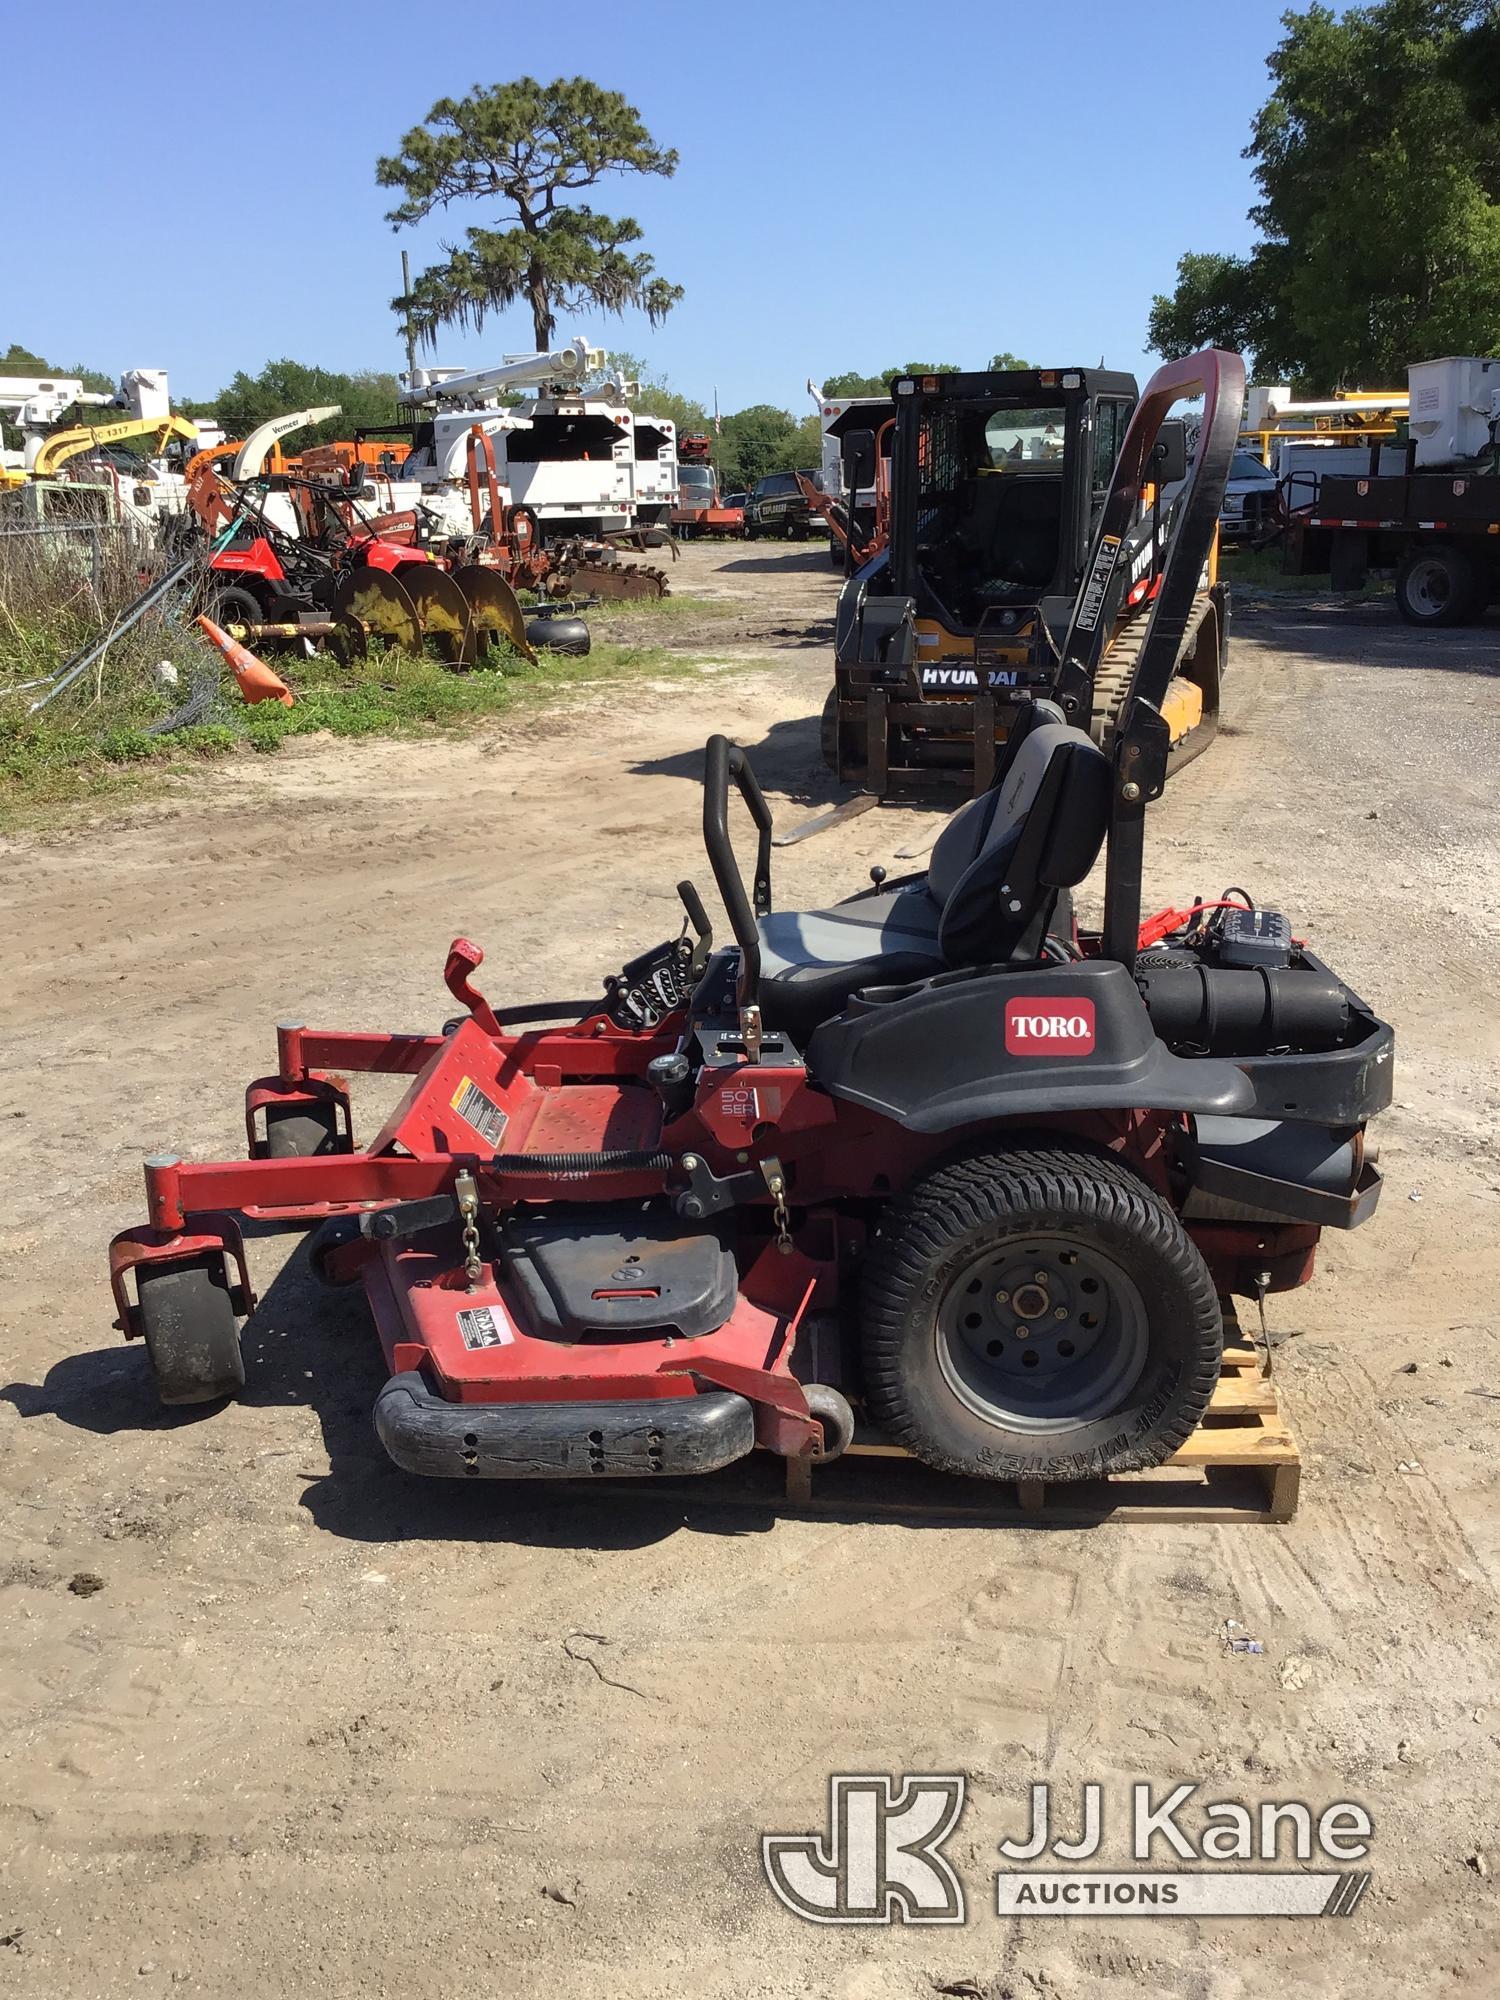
1050	1027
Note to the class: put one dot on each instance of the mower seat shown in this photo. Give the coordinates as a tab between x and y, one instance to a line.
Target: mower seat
989	895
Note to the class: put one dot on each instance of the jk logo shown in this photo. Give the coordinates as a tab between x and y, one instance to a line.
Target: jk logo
881	1862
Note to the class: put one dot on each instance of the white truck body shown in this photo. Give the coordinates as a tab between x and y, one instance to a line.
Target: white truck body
657	481
831	408
563	452
1455	409
572	462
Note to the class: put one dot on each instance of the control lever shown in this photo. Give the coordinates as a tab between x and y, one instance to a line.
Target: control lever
697	916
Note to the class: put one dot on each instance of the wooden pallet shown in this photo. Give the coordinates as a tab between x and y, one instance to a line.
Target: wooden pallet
1241	1464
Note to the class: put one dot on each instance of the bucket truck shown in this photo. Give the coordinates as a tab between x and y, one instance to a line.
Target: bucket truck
564	454
34	404
1429	507
140	491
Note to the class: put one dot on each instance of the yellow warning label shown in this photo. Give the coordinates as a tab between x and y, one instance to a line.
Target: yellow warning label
479	1110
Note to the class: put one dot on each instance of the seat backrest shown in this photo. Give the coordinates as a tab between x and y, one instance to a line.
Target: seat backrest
999	863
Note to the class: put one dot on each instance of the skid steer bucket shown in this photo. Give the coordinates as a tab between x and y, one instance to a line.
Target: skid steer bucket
494	609
380	602
443	612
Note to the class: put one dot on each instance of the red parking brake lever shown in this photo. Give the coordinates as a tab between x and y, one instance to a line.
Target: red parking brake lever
464	958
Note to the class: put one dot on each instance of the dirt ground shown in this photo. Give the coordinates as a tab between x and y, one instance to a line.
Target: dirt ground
323	1730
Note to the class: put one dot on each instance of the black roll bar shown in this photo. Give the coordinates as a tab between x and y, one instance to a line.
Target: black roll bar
1141	737
723	760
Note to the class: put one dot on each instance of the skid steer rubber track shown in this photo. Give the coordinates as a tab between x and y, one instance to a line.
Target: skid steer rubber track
1117	669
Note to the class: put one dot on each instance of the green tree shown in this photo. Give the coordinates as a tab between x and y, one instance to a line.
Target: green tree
1377	159
17	360
754	443
1003	363
528	146
852	383
365	399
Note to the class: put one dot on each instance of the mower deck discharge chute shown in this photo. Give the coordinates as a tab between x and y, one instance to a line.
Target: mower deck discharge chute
931	1160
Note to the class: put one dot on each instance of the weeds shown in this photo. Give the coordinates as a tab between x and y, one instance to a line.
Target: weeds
667	608
95	742
1254	570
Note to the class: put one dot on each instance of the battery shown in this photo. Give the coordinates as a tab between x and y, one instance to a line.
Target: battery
1254	937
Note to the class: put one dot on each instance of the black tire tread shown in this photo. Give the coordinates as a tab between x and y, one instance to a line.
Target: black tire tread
300	1132
187	1317
983	1187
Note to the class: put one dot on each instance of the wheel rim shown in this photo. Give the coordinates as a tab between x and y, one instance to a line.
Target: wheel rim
1042	1333
1429	587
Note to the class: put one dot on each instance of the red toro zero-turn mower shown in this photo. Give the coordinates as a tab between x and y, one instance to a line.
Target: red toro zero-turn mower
932	1159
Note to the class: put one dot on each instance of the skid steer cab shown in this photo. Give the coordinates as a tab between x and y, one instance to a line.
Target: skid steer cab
931	1161
997	484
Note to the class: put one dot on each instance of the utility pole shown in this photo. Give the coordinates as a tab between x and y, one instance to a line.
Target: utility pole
411	345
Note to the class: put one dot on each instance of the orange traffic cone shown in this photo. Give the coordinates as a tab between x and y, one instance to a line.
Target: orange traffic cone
257	682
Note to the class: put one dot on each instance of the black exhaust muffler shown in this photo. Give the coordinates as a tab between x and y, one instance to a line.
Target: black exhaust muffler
1221	1010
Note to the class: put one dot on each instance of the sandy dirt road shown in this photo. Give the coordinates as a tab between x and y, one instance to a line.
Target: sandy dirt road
327	1731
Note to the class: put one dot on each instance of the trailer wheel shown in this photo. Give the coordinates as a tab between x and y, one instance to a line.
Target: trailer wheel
855	746
301	1131
1438	585
1038	1314
188	1320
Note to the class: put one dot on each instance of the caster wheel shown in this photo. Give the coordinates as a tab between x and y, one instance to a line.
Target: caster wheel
301	1131
188	1318
834	1414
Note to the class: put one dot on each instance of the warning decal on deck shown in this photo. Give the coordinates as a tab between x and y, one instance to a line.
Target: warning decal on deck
478	1110
480	1328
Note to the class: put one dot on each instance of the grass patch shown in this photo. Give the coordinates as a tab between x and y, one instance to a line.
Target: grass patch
94	742
1256	570
666	608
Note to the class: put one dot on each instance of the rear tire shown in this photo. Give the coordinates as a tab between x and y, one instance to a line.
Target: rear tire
1113	1364
1438	585
187	1315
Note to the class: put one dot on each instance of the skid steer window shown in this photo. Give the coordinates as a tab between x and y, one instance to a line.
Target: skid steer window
1111	421
1016	438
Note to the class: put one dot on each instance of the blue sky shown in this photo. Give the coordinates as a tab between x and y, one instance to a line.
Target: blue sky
859	185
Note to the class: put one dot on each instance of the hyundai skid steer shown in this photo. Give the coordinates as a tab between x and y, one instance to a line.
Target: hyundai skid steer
997	485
